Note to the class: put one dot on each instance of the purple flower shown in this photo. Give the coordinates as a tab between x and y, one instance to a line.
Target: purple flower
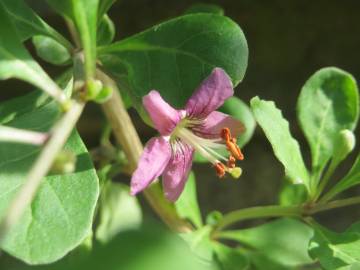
197	127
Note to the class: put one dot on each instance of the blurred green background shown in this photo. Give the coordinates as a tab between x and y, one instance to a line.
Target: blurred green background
288	41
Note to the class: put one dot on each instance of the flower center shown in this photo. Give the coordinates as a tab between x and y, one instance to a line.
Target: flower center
210	149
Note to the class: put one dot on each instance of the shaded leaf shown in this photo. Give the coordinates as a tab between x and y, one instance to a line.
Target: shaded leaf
205	8
29	24
292	194
175	56
201	244
84	15
106	31
328	103
151	247
16	62
104	6
187	205
119	211
285	147
230	258
284	241
50	50
261	262
61	214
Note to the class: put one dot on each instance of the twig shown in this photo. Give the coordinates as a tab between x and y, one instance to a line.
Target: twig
299	211
334	204
129	140
258	212
42	165
10	134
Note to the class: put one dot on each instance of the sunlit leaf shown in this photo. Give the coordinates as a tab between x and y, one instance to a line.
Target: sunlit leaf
61	214
336	250
350	180
328	103
285	147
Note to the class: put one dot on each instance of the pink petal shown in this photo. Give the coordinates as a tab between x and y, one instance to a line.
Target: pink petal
215	122
211	94
153	161
176	173
164	117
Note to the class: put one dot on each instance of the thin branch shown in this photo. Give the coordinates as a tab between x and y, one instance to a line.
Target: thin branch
334	204
15	135
42	165
129	140
299	211
258	212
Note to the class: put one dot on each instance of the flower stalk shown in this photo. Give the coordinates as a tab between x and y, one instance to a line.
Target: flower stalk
127	137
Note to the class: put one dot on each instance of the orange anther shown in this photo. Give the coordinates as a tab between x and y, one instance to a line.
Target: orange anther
220	169
225	134
234	149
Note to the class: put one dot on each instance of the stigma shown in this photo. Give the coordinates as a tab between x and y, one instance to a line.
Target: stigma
211	149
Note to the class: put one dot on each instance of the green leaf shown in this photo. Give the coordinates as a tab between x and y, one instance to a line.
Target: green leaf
151	247
106	31
284	241
175	56
50	50
261	262
328	103
292	194
61	214
84	15
29	24
205	8
230	258
104	6
201	244
336	250
16	62
119	211
285	147
187	205
350	180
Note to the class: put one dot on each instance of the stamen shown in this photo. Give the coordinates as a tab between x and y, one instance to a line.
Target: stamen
231	162
231	145
225	134
234	149
220	169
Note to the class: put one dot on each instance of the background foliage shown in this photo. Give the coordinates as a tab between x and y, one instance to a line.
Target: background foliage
286	52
